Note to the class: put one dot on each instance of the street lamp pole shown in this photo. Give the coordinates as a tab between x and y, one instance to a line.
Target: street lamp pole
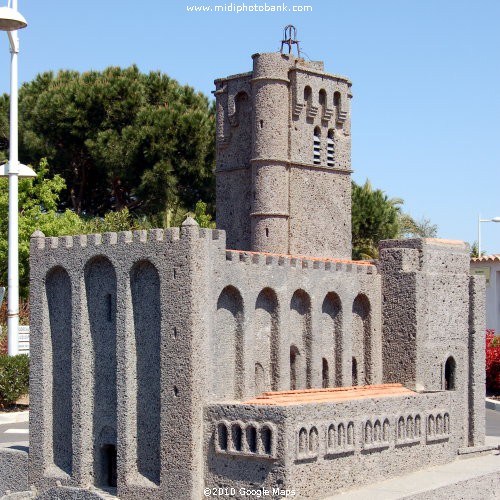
479	220
13	253
10	21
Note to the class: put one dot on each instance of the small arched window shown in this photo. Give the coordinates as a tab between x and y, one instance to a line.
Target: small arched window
317	146
236	437
325	374
307	95
303	441
354	372
449	374
322	98
267	440
336	99
222	435
331	436
251	436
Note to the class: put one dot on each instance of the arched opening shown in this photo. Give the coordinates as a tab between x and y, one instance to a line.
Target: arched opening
401	428
368	432
313	440
294	354
317	146
377	431
302	440
331	437
350	433
267	440
251	434
361	338
307	94
418	428
222	435
100	288
242	108
332	337
301	337
386	430
325	375
330	148
337	99
450	374
146	308
227	348
341	436
354	372
236	437
260	379
266	341
322	98
58	292
108	452
410	429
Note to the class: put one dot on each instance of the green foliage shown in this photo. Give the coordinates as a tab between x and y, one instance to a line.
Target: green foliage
410	228
120	139
474	250
38	200
201	216
14	378
114	222
375	217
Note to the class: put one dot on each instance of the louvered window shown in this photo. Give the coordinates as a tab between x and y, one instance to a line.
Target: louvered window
317	147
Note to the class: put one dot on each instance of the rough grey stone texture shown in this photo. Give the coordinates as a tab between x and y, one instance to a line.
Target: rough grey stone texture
477	369
136	323
267	175
317	449
13	470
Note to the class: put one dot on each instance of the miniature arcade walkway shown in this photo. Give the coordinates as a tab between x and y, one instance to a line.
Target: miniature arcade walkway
338	394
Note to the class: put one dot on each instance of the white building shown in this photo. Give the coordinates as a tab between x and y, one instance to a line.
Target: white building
489	266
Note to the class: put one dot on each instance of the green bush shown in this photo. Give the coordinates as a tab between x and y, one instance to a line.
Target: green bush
14	378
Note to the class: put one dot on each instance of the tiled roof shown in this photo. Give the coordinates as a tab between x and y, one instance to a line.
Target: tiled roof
307	257
336	395
487	258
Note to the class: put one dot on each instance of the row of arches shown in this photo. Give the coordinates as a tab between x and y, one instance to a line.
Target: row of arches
323	100
438	425
409	428
258	332
377	433
248	438
99	328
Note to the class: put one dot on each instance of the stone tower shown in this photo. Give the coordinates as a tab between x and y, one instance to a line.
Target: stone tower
284	158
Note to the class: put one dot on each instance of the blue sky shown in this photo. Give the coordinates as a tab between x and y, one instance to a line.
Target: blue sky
426	80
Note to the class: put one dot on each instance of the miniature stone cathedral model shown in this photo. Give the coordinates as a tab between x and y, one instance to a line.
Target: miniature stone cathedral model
257	355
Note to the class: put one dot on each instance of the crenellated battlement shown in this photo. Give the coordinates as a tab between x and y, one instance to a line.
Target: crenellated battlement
301	262
47	244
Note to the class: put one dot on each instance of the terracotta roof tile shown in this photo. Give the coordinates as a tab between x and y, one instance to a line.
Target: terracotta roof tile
487	258
336	395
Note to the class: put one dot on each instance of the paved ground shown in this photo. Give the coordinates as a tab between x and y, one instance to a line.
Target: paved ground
492	423
14	434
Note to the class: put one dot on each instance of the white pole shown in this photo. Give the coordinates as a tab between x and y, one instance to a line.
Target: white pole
13	240
479	235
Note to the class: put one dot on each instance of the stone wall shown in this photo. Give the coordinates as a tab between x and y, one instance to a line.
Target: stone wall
321	448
